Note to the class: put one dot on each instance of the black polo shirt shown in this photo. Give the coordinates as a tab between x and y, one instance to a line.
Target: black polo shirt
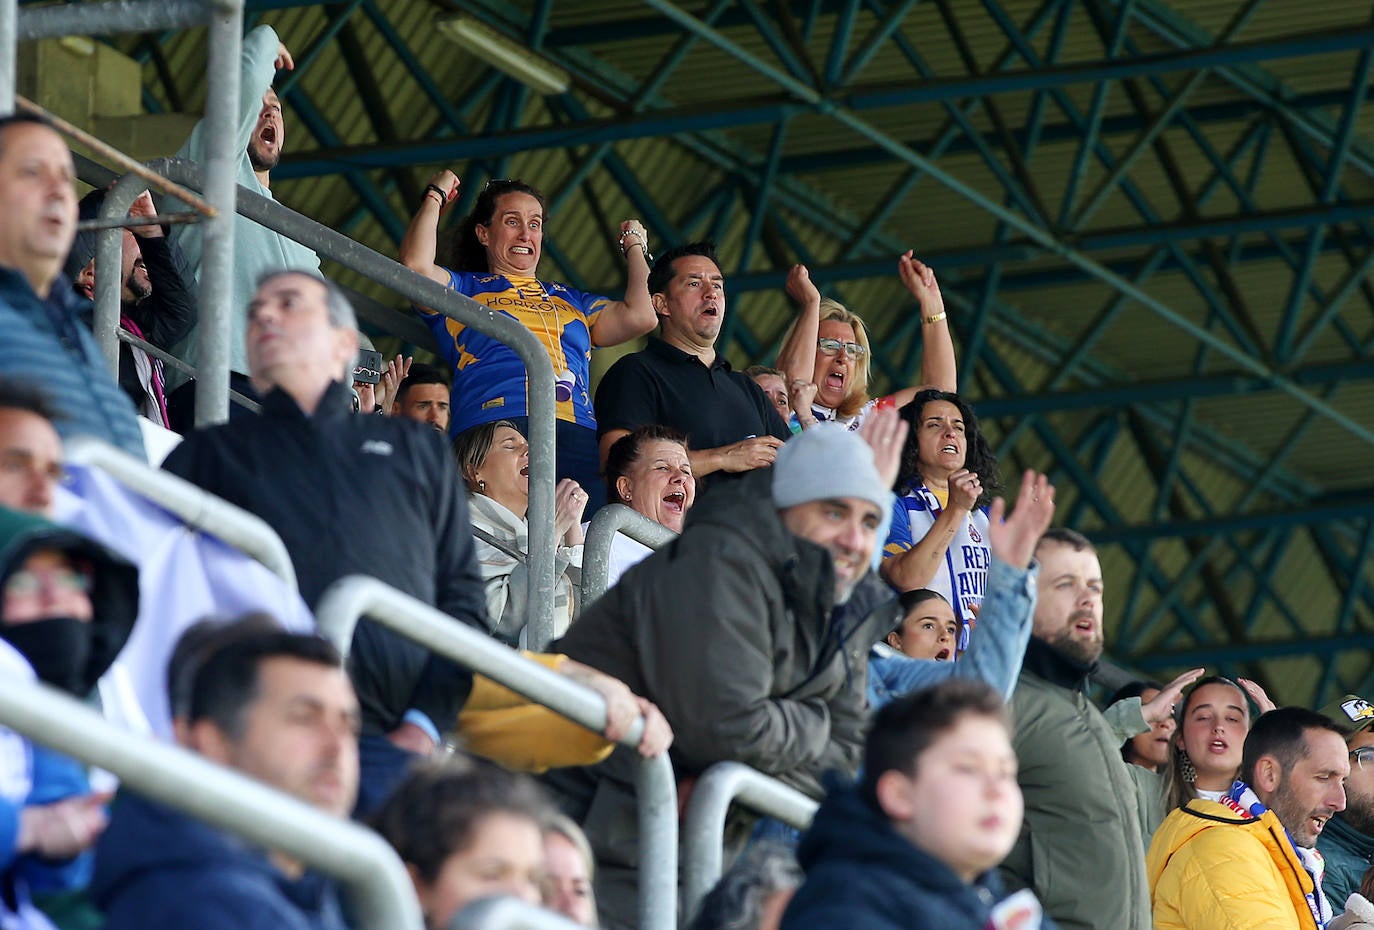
714	406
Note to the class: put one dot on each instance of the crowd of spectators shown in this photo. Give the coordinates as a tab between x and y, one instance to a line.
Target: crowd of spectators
847	606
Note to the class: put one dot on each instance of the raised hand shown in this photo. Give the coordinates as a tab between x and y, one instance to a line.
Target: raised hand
447	182
1013	539
800	287
1257	694
919	279
632	233
1161	707
284	61
143	206
800	394
392	376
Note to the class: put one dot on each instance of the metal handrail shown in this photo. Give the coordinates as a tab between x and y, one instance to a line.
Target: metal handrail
703	828
195	507
596	550
350	598
504	913
229	800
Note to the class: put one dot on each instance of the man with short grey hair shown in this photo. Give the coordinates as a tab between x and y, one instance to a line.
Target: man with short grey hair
349	494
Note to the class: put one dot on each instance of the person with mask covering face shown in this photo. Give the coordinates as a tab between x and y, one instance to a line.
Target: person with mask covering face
68	606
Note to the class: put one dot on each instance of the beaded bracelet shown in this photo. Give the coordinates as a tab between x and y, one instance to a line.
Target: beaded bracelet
643	244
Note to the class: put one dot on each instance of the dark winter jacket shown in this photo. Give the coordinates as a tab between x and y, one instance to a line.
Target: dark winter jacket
46	346
862	875
157	869
357	494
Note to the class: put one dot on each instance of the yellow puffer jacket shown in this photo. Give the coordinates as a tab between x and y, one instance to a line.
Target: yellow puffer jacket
1210	870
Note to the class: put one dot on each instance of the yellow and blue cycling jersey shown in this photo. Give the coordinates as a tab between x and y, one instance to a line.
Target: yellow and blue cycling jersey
489	381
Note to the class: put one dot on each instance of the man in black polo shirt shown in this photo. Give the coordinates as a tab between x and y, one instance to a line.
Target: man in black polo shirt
680	381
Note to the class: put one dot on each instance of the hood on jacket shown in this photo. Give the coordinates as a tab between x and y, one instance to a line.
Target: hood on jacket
852	848
150	851
114	596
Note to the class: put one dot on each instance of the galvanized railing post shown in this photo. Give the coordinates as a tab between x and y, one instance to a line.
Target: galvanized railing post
109	266
703	828
596	550
221	188
350	598
221	797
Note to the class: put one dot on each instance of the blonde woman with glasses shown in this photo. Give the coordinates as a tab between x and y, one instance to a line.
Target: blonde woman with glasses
827	354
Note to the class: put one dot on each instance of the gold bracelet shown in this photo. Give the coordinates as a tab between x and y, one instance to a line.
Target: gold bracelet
936	318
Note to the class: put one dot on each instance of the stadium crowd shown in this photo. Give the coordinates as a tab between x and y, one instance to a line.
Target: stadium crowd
849	606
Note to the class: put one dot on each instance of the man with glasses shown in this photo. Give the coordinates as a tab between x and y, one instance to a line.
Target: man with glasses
680	381
1347	843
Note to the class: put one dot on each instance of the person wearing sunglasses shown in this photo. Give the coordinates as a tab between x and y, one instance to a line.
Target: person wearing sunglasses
495	261
828	347
1347	842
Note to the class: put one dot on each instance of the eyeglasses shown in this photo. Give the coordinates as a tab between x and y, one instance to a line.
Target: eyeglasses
833	347
1362	755
25	583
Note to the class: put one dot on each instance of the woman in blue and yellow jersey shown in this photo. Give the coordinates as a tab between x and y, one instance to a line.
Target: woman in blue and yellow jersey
495	260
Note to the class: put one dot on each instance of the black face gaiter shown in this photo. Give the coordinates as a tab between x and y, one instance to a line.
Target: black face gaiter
58	648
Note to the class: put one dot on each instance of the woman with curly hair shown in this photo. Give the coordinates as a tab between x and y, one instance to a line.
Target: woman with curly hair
939	529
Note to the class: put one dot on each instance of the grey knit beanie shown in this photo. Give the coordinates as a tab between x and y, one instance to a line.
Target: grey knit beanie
826	461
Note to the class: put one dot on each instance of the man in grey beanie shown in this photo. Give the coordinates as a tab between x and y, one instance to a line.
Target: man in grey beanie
750	631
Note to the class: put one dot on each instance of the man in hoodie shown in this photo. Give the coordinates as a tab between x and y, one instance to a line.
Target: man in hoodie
750	633
1248	860
257	249
275	706
915	845
68	606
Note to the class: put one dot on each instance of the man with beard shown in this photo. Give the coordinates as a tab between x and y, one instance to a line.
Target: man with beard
1347	843
257	249
1248	860
157	299
1082	847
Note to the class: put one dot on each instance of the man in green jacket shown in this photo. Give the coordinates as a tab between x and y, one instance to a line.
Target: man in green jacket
1082	846
1347	843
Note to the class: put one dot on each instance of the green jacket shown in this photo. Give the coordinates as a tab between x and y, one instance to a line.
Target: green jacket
1348	853
1081	847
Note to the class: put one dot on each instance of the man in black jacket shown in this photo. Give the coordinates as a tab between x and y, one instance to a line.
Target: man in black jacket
157	299
349	494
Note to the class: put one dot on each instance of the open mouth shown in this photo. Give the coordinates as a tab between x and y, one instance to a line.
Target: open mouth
1318	823
268	136
943	656
675	501
949	449
524	471
835	381
86	290
1218	746
521	250
711	310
